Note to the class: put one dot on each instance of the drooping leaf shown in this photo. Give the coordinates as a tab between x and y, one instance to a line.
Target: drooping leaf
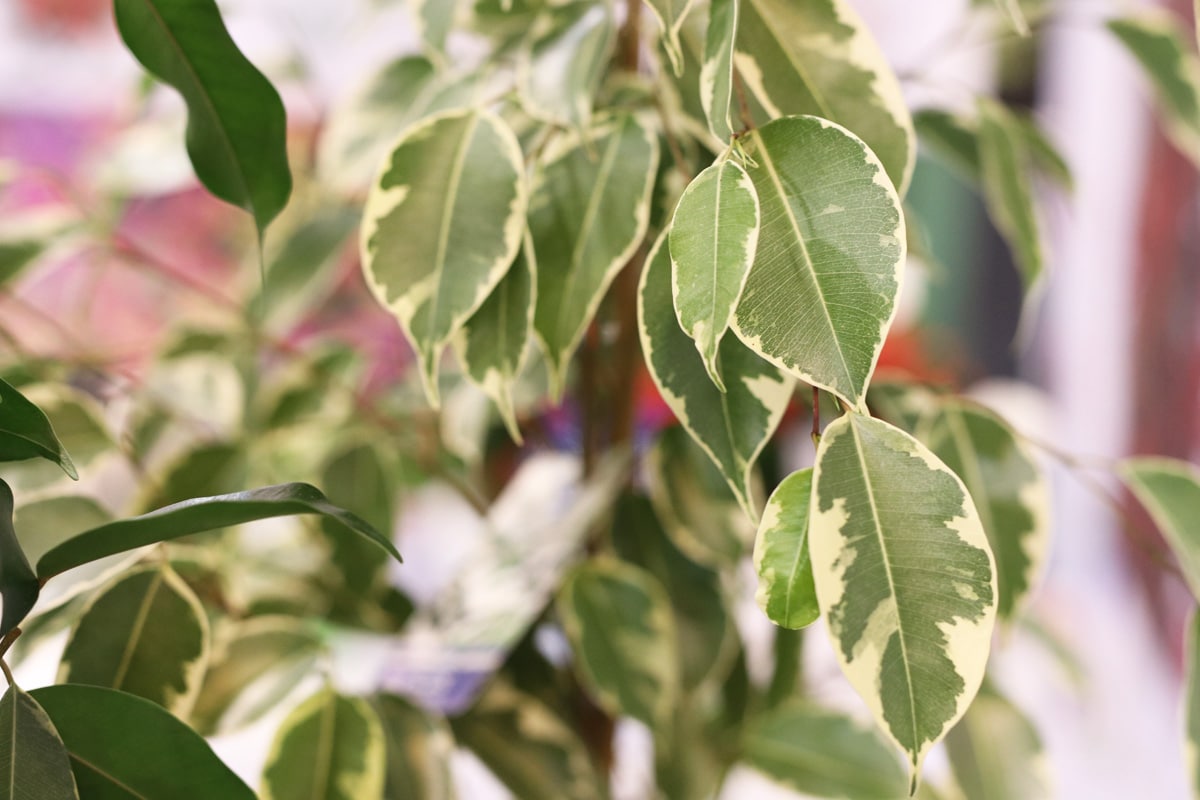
237	126
1191	708
302	269
1170	491
442	225
560	73
1009	490
622	631
904	576
1007	191
201	514
731	426
19	587
786	593
671	15
817	57
822	754
956	139
492	343
713	237
590	209
330	746
831	250
716	72
145	634
157	755
25	432
1160	45
33	760
418	751
358	477
996	753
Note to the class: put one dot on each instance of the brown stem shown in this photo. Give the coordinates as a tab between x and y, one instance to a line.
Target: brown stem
743	103
816	426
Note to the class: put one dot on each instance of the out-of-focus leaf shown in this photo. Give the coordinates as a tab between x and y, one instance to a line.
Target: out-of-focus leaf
562	69
25	432
33	759
300	272
357	478
996	753
1191	708
435	19
786	593
1006	165
418	752
671	16
1170	491
210	469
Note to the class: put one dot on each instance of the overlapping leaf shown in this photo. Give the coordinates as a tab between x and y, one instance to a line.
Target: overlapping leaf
435	18
25	432
996	753
419	749
671	15
442	225
822	292
1006	166
786	593
904	576
33	759
731	426
1170	491
562	69
955	137
716	71
19	587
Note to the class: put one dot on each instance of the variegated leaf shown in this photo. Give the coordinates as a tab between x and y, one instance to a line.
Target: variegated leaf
817	57
145	634
330	746
622	631
712	239
955	138
34	764
419	749
1170	491
731	426
1009	490
562	70
996	753
822	293
442	225
903	403
590	209
1006	166
492	343
716	72
904	576
1191	744
1160	45
671	15
786	593
435	19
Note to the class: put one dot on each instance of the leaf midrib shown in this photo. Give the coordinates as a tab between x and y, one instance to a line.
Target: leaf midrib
135	633
773	24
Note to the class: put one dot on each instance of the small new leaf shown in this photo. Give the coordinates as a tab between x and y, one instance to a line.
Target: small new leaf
786	593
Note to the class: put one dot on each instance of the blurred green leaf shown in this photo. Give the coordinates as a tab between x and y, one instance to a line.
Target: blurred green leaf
419	748
1170	491
996	753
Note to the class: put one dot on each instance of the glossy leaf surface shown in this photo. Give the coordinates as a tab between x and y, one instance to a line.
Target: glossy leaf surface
19	587
25	432
33	759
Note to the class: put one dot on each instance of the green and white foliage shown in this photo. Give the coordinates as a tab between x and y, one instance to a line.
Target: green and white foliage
435	19
996	753
817	57
561	71
1006	164
786	592
1016	16
1009	489
33	759
731	426
419	748
712	239
442	225
1170	491
832	243
716	71
904	576
589	212
671	16
1191	707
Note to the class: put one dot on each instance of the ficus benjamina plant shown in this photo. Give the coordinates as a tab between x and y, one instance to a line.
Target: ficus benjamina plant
710	194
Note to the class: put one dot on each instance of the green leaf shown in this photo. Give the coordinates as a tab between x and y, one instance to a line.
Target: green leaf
817	57
716	71
1160	45
1006	164
237	126
1016	17
418	751
435	19
904	576
1170	491
25	432
33	759
528	747
903	403
1191	745
19	586
671	15
201	514
559	75
832	244
786	593
145	634
492	343
590	210
303	271
731	426
442	225
713	236
357	477
822	754
213	468
621	628
330	747
996	753
157	757
1046	157
953	137
47	522
17	254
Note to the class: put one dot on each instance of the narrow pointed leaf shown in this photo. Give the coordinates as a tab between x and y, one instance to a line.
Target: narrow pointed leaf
953	137
622	631
996	753
158	756
1170	491
492	344
731	426
201	514
786	593
831	249
590	210
822	754
817	57
1009	490
19	587
1191	709
329	746
146	634
713	236
1006	166
904	576
237	126
419	749
25	432
33	759
716	71
442	225
560	73
671	15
